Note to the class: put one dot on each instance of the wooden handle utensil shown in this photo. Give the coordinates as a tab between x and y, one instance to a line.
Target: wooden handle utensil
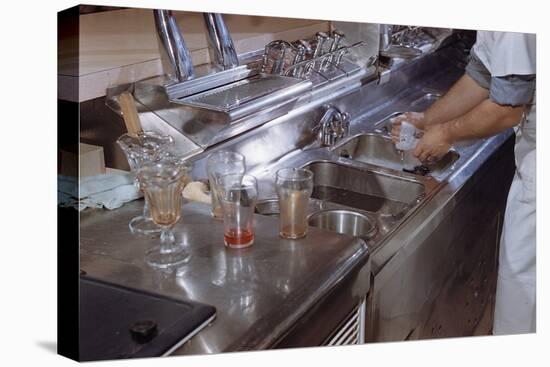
130	114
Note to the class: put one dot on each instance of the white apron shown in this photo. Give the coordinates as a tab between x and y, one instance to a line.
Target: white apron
506	53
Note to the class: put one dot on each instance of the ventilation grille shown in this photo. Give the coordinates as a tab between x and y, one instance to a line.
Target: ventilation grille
350	332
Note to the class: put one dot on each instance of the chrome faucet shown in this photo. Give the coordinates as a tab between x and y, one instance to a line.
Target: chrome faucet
175	57
333	126
221	47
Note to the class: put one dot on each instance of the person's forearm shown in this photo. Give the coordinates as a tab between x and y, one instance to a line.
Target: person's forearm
464	95
486	119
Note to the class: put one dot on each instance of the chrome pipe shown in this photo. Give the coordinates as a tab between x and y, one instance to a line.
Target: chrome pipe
221	47
175	57
385	37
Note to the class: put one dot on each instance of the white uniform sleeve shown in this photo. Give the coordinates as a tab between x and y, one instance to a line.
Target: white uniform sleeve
512	54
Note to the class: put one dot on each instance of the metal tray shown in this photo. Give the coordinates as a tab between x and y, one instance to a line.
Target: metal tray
247	96
209	81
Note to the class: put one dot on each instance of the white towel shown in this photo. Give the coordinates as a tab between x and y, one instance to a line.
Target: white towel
110	190
196	191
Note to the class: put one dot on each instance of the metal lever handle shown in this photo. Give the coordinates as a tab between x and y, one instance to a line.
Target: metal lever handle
337	36
321	38
300	55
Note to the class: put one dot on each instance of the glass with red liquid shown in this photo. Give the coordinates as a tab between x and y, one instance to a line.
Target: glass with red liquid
238	198
219	164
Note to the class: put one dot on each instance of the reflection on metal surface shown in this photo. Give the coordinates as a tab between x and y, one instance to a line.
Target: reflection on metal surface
259	292
401	52
426	99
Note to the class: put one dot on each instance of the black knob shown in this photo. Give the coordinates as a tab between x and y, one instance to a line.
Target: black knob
143	331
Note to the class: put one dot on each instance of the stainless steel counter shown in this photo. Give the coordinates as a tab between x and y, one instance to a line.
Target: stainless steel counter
260	293
263	293
409	282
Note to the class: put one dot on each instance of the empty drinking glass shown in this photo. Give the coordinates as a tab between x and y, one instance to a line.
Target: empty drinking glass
162	185
294	187
220	164
238	195
145	147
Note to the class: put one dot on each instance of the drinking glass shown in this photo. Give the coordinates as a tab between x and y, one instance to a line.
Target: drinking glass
162	185
220	164
145	147
294	187
238	195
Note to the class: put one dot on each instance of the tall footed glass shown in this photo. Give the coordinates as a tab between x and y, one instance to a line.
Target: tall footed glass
145	147
162	183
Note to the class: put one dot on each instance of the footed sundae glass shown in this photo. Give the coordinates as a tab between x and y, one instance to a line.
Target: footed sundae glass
139	149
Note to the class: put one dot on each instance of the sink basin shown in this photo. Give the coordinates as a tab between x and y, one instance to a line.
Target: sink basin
364	189
380	151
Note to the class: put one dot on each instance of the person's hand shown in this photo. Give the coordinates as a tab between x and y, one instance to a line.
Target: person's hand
415	118
433	146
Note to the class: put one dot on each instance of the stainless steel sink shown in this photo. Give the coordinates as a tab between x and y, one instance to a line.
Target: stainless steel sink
380	151
364	189
344	222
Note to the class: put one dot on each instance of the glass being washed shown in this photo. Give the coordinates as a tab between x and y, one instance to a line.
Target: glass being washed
409	136
145	147
294	187
162	183
220	164
238	195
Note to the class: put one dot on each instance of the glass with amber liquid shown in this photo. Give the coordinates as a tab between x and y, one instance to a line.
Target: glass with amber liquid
162	183
144	147
294	187
238	196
